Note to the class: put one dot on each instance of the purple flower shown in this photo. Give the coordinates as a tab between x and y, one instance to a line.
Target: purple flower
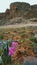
11	51
14	44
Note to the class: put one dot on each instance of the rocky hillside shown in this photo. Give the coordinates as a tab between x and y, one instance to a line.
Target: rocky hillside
18	12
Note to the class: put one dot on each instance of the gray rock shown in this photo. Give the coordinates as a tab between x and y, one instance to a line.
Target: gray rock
28	63
30	60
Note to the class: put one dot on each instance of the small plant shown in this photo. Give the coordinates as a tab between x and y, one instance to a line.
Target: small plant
1	36
32	38
5	55
8	52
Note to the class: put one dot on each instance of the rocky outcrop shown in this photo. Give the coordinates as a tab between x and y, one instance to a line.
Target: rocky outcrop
34	7
19	9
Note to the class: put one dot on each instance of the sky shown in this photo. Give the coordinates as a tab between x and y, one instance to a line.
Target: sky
4	4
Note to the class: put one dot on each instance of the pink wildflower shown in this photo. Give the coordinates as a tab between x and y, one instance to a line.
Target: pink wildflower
11	51
14	44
